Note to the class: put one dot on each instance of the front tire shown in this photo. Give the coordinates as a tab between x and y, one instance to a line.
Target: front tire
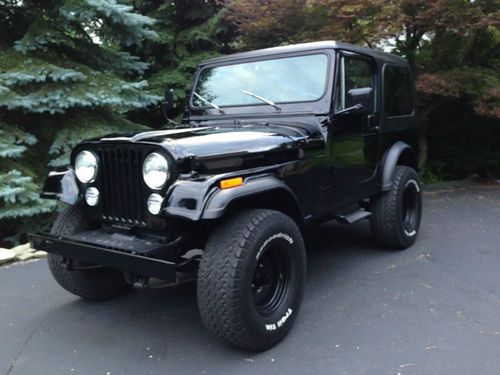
98	284
396	213
251	279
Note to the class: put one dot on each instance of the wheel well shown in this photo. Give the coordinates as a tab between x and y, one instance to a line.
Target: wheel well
398	154
408	158
276	199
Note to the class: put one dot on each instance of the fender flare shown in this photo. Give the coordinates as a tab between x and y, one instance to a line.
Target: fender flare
222	198
398	151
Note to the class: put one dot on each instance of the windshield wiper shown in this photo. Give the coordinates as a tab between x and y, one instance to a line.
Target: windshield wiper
267	101
213	105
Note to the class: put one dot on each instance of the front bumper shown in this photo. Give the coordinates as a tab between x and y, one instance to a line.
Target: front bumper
97	247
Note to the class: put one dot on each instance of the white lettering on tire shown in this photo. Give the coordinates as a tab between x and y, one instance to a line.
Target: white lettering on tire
284	236
414	183
280	322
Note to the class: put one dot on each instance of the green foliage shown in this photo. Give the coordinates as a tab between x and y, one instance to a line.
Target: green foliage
78	128
67	72
40	86
14	141
20	197
70	22
461	143
19	194
189	32
429	176
123	25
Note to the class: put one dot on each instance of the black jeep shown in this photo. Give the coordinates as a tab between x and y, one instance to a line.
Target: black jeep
272	142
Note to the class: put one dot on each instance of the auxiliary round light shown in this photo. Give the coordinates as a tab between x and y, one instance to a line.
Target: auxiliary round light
155	202
92	196
86	167
155	171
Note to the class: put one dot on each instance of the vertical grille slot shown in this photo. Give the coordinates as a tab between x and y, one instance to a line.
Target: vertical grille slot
121	184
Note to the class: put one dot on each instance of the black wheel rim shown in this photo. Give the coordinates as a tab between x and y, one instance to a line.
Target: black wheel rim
271	280
410	207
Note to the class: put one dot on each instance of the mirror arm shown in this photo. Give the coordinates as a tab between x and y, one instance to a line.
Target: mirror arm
173	122
349	109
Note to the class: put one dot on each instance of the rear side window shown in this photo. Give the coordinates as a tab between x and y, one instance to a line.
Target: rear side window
397	91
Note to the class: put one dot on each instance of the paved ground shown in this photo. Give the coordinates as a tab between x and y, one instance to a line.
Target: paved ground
433	309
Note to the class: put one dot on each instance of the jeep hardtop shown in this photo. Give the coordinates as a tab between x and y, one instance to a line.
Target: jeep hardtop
271	142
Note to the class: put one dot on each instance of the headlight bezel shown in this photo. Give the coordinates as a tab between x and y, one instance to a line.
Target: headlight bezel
80	156
165	166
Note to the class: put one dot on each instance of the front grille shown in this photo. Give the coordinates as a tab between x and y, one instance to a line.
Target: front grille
121	184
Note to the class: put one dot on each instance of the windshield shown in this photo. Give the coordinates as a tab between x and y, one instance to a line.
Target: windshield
290	79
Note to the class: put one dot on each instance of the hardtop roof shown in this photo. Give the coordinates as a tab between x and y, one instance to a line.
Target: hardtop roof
375	53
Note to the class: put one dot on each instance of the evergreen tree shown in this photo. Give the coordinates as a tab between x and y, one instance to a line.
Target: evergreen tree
66	74
189	32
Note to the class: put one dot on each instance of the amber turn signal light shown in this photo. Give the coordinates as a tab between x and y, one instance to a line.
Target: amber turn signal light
232	182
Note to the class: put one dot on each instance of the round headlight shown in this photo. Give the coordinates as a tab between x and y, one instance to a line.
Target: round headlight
92	196
155	171
86	167
154	203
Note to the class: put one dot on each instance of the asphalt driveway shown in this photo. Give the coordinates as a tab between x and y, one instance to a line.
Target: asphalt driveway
433	309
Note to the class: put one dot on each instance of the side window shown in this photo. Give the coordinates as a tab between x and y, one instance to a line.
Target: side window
397	91
353	73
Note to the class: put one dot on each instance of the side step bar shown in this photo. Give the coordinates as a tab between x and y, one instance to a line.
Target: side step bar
95	254
353	217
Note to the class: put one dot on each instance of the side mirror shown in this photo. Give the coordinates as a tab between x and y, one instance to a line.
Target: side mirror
168	102
362	98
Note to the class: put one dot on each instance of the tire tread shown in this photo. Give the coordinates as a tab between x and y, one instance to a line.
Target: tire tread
384	207
218	296
95	285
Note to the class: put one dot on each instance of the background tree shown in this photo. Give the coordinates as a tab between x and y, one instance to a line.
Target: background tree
189	32
65	75
459	84
265	23
451	45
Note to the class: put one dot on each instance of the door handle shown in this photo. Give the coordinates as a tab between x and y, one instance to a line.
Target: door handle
373	123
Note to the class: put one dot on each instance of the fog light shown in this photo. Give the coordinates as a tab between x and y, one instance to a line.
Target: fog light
154	203
92	196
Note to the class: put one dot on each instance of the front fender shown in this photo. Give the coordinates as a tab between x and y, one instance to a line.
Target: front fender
62	186
187	199
221	199
197	200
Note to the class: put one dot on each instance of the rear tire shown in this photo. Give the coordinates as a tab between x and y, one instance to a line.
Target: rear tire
251	279
98	284
395	221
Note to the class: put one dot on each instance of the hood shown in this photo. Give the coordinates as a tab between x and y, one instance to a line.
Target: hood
223	141
225	148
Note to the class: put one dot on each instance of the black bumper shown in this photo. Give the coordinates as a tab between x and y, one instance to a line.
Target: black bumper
102	255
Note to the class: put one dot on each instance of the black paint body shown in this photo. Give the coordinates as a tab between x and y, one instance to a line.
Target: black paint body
304	159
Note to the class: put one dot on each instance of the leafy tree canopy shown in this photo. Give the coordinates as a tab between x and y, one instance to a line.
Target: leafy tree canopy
453	44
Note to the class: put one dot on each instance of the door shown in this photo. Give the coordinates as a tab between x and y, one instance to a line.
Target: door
353	133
